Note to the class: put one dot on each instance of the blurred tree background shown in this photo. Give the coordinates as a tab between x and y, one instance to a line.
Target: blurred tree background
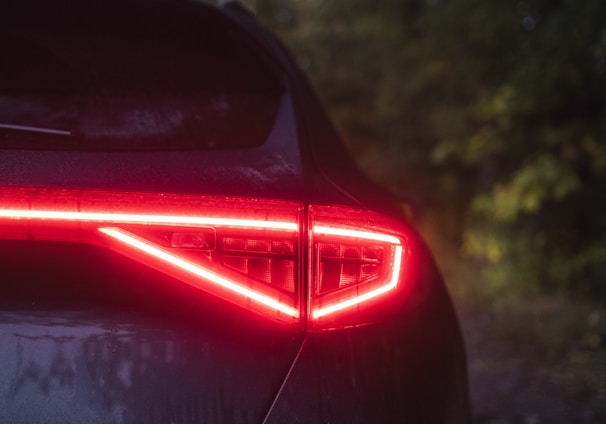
488	117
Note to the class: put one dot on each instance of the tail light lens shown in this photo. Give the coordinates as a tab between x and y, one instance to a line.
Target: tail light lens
356	259
317	266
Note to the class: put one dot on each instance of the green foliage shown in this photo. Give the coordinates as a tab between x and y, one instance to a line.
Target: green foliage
489	115
531	186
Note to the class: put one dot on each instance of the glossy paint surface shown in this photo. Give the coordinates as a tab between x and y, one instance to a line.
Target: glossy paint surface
110	341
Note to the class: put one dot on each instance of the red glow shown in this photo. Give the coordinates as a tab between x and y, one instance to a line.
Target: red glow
352	301
127	218
204	274
357	256
252	249
344	232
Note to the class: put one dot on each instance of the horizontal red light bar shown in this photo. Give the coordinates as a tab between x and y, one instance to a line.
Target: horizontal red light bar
157	252
344	232
125	218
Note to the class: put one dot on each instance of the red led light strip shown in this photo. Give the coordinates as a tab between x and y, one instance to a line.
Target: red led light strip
393	283
125	218
153	250
319	229
366	235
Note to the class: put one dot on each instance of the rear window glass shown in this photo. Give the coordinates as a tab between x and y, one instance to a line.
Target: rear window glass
112	75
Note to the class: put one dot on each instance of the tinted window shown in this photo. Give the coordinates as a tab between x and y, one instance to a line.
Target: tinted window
117	75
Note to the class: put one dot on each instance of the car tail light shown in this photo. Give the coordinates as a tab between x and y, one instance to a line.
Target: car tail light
356	258
311	265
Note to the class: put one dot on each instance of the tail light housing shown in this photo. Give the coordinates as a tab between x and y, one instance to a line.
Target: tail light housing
313	266
356	259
